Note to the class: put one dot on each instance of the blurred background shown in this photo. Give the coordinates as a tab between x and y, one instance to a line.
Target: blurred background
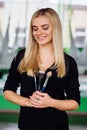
15	17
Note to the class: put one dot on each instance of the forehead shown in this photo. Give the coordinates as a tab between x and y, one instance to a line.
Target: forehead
41	20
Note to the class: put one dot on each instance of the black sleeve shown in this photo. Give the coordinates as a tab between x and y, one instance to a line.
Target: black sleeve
13	78
72	87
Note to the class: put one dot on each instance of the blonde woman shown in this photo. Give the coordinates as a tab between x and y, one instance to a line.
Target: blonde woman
47	77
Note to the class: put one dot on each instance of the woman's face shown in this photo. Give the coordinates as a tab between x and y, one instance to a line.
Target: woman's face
42	30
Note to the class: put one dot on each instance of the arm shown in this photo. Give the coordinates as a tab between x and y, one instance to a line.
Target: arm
13	80
16	98
64	105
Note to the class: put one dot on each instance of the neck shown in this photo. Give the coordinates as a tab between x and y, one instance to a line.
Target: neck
45	57
45	51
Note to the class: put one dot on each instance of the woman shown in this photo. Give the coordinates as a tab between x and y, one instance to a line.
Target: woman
48	78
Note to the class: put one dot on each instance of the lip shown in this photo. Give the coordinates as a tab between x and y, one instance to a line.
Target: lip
41	37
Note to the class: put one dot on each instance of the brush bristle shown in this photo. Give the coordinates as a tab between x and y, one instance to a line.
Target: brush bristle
49	74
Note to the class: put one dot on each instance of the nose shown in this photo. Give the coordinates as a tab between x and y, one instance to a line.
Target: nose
39	31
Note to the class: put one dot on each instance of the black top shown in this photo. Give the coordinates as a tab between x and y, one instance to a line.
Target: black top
58	88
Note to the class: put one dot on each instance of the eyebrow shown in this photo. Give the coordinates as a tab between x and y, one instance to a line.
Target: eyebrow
41	25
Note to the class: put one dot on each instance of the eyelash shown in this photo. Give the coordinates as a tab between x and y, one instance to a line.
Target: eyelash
45	28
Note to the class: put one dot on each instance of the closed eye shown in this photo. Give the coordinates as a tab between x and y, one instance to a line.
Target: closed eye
35	28
44	27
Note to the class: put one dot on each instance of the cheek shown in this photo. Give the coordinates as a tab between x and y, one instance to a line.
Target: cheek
50	32
51	35
34	35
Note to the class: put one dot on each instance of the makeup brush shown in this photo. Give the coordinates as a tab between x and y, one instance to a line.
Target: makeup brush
48	75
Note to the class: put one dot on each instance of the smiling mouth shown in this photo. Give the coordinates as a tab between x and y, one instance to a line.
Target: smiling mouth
41	38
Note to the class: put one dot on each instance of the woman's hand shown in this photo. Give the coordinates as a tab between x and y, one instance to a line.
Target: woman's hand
40	100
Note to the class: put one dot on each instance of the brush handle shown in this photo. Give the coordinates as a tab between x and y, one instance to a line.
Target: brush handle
45	84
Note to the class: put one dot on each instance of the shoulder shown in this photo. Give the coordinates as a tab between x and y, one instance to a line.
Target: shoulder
70	59
19	56
20	53
71	64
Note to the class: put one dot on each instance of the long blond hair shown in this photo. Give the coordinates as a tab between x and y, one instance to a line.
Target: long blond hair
29	63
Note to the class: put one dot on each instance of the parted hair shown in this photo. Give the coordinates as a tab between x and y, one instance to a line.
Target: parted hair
29	63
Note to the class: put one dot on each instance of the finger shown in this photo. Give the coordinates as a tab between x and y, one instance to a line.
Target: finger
36	99
40	93
36	104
